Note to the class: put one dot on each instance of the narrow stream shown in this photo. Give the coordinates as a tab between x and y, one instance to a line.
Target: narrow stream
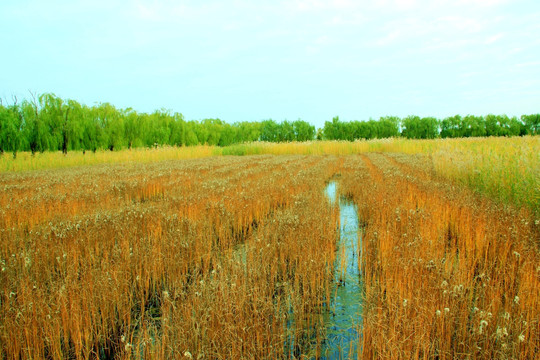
344	318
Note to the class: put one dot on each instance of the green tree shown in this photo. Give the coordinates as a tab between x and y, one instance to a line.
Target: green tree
132	128
4	119
247	131
411	127
515	127
159	127
52	116
286	131
73	128
91	130
450	127
375	131
303	131
269	131
363	130
332	130
320	134
228	134
415	127
178	130
35	131
214	128
111	122
191	136
10	128
531	123
473	126
388	127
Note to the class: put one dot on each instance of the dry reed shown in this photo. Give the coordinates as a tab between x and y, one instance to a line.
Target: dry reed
127	261
448	274
232	257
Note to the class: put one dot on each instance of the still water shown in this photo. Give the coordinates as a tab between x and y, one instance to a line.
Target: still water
344	318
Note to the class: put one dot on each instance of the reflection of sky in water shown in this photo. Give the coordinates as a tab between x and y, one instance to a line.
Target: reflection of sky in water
345	316
331	192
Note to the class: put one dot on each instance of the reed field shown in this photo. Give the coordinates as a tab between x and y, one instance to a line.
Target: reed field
191	253
504	168
448	274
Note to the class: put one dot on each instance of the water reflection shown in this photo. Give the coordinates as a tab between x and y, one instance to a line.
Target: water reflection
344	318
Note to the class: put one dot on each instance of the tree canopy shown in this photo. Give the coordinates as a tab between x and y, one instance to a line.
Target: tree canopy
50	123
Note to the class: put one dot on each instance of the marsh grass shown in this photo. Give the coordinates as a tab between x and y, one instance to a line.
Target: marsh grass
448	273
137	258
25	161
122	261
505	168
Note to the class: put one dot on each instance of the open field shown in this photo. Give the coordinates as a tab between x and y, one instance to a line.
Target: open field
504	168
231	257
204	257
447	274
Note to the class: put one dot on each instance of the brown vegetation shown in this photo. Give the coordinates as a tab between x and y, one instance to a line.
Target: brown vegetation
202	258
447	274
232	257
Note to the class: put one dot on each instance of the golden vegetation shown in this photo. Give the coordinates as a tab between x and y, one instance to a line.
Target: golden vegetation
447	274
505	168
233	257
25	161
201	258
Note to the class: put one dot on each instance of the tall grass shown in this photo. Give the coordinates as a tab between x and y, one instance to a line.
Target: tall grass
52	160
448	274
121	261
508	169
233	256
504	168
25	161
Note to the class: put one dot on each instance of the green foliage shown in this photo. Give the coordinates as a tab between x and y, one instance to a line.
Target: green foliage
49	123
247	131
415	127
334	130
191	136
531	124
132	128
51	115
385	127
473	126
388	126
286	131
73	126
450	127
10	124
35	131
303	131
269	131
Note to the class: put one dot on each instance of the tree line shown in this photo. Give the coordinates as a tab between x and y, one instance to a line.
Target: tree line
50	123
415	127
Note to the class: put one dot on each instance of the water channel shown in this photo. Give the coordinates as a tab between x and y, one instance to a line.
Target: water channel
344	318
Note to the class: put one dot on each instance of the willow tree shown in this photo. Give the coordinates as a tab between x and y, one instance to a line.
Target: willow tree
531	123
35	130
10	128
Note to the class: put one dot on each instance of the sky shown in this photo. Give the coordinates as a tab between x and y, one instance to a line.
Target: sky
242	60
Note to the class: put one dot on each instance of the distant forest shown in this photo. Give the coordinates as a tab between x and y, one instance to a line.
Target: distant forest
49	123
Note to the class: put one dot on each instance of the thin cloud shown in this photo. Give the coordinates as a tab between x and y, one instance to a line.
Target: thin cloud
187	55
493	39
528	64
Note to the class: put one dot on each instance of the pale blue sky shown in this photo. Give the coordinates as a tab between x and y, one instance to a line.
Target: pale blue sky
253	60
